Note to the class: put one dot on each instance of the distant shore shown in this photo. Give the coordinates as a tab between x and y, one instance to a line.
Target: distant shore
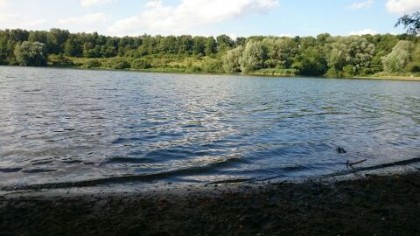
259	74
374	205
391	77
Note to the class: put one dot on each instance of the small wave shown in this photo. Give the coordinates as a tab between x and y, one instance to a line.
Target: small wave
40	170
31	90
41	161
113	160
71	161
294	168
10	170
128	140
126	178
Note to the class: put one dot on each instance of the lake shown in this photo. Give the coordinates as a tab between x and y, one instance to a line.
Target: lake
64	127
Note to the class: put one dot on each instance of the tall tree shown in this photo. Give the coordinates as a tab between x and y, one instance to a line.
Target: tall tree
56	39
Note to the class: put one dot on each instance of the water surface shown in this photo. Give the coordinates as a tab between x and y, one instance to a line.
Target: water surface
63	127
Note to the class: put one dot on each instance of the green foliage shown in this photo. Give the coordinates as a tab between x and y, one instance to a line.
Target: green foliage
212	66
56	39
92	64
31	54
411	23
275	72
231	60
60	60
140	64
224	43
353	52
118	64
323	55
400	56
311	61
253	57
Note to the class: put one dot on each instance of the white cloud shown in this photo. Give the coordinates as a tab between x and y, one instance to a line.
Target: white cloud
3	3
363	32
361	5
89	3
86	19
15	21
403	6
187	15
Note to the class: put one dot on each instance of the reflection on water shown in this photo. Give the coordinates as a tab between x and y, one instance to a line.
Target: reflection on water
94	127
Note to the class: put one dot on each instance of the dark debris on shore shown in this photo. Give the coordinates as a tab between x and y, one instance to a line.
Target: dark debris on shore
376	205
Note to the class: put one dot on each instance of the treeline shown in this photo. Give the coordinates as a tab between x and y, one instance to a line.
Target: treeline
316	56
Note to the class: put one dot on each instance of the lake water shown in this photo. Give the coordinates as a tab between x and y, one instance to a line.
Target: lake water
62	127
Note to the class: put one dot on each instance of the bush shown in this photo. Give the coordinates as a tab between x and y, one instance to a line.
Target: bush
60	60
92	64
119	64
140	64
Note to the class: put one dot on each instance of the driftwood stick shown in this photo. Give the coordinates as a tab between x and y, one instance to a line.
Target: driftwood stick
349	163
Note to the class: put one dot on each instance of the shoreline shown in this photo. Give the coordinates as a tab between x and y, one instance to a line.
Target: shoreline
382	205
168	71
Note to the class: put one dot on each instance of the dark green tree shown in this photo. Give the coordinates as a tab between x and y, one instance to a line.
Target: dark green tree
56	40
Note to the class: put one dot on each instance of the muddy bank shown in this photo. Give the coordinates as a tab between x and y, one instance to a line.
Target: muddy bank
375	205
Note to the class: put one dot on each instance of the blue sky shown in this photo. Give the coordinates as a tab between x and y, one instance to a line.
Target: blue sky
208	17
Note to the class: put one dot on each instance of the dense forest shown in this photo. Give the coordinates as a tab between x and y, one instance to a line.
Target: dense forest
323	55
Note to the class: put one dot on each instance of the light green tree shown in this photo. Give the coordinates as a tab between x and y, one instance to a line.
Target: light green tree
349	56
231	60
253	57
399	57
31	54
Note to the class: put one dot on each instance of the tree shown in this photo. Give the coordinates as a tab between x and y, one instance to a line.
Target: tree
231	60
199	45
280	51
224	43
56	39
38	36
253	57
410	22
352	55
72	47
311	61
211	46
400	56
31	54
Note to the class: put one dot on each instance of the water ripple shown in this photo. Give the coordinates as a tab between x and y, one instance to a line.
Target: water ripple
63	128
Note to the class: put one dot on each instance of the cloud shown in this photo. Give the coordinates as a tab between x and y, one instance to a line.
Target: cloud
89	3
363	32
15	21
187	15
361	5
3	3
403	6
86	19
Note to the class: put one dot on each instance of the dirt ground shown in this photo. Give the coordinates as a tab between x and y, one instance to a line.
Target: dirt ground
375	205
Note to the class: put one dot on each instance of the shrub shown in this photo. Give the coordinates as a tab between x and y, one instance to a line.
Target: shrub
140	64
119	64
92	64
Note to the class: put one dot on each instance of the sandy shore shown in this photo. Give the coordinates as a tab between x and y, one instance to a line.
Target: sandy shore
375	205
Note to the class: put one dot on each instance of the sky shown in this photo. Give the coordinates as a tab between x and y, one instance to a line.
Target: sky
208	17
